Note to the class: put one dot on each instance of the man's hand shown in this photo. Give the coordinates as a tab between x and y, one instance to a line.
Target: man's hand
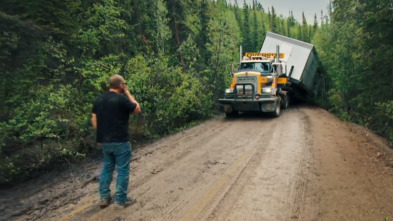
124	88
94	120
131	98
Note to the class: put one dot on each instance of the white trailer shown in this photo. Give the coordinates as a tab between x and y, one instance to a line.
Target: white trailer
302	62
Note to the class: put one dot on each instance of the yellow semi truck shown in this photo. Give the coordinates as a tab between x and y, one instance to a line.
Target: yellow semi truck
259	85
265	80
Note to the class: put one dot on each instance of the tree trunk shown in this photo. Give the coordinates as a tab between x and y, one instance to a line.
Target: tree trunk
178	41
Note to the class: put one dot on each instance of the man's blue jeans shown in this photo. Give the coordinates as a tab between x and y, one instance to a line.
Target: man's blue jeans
119	155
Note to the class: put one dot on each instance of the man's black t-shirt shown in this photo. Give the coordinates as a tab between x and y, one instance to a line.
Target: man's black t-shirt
112	111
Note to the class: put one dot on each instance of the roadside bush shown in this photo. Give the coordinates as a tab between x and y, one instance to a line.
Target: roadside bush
53	124
337	104
384	119
169	98
41	130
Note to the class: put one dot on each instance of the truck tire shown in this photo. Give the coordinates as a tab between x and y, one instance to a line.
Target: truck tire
285	102
277	111
234	113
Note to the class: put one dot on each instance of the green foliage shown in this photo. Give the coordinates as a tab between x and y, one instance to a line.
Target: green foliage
190	53
162	89
224	39
39	132
273	20
356	52
44	116
384	119
163	32
247	35
103	30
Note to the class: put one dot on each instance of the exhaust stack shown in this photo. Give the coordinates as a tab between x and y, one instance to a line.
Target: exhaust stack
240	53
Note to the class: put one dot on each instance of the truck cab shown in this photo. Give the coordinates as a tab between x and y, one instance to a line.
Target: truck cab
257	85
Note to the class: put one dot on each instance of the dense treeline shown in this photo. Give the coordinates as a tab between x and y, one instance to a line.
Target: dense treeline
56	57
356	49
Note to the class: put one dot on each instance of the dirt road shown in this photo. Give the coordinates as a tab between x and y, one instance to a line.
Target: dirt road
304	165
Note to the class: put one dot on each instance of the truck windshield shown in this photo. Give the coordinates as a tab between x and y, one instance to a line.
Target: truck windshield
262	67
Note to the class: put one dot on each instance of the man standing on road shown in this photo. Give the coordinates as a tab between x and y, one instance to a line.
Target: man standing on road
110	117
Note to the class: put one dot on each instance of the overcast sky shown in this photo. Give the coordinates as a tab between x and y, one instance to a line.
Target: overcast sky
282	7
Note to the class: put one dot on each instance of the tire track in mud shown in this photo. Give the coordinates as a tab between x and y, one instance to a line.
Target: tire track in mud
168	145
89	206
235	188
209	181
301	202
274	182
225	183
198	148
201	184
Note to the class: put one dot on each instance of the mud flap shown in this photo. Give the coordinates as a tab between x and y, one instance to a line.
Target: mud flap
226	108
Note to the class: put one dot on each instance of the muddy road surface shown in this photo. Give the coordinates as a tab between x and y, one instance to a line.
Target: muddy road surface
304	165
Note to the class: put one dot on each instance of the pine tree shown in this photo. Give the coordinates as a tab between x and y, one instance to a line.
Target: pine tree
305	31
203	37
273	21
290	23
176	10
256	29
163	32
315	27
247	42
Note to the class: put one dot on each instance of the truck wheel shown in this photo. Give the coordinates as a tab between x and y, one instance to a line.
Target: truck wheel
234	113
277	111
285	102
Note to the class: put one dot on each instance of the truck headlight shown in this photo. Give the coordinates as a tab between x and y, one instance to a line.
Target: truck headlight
267	90
229	91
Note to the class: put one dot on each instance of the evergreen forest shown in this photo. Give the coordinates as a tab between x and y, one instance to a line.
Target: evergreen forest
56	57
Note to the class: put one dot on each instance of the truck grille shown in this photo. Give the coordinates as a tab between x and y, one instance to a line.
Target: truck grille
246	86
244	91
